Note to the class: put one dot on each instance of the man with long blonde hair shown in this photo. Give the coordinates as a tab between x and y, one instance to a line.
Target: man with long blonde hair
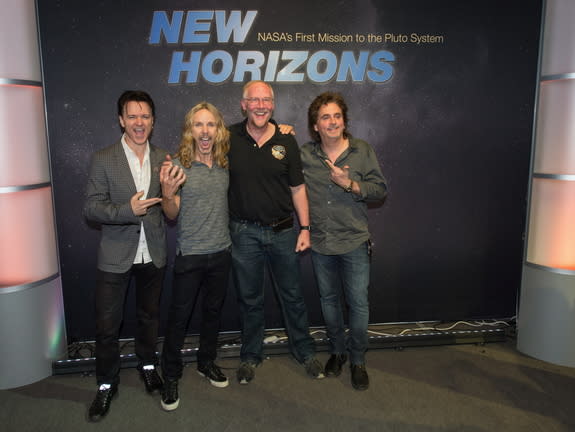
188	152
194	190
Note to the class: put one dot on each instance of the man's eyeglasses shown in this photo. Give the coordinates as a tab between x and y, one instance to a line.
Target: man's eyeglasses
256	101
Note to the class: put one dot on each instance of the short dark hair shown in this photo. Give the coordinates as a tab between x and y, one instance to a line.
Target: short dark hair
135	96
313	112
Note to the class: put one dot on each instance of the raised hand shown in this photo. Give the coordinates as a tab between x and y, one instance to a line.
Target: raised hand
171	177
340	176
140	206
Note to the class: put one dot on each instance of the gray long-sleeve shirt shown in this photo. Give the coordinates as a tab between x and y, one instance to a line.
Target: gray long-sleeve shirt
339	218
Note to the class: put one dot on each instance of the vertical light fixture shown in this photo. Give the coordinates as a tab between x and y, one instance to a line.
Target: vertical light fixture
32	325
546	320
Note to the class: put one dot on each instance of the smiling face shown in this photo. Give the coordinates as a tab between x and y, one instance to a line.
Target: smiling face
258	104
137	121
204	129
330	122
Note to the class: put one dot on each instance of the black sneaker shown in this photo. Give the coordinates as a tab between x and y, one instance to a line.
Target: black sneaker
334	364
359	377
101	403
151	379
246	372
213	373
314	368
170	397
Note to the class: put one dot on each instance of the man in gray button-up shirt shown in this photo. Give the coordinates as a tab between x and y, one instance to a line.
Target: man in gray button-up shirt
342	174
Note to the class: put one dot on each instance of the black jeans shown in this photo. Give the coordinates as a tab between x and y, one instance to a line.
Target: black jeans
111	291
208	274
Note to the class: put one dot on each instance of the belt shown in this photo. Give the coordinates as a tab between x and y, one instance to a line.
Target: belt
277	225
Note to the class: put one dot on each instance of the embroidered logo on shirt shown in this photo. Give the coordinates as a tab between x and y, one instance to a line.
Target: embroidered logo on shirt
279	152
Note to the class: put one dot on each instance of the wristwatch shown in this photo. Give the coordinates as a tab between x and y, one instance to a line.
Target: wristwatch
350	187
305	228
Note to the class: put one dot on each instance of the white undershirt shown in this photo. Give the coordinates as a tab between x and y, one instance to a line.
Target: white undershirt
141	174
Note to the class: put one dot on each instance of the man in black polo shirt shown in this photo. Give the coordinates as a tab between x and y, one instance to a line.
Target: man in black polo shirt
266	186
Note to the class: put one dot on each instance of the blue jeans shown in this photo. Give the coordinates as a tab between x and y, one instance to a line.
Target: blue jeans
350	271
208	273
255	248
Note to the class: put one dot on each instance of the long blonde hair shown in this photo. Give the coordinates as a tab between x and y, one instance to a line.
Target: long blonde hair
187	150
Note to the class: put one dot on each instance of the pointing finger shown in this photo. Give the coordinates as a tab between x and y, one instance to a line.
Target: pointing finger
329	164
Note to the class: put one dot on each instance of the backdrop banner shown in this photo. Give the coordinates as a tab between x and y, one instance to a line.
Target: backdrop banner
444	90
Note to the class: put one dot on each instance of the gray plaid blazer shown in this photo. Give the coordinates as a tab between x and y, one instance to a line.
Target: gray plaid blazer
110	187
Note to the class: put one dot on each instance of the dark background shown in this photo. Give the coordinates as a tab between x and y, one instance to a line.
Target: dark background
452	130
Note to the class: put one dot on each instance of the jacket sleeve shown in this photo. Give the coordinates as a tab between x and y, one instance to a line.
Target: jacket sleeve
100	206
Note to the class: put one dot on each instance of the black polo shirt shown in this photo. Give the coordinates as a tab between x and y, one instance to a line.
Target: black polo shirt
260	177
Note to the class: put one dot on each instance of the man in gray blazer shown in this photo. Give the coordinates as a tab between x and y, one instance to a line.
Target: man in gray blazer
123	196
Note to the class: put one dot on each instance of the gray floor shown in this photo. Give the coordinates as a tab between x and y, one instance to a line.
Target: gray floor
441	388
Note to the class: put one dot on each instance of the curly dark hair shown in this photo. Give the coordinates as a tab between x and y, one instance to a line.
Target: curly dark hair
313	112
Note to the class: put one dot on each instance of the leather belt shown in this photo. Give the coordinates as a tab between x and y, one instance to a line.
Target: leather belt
277	225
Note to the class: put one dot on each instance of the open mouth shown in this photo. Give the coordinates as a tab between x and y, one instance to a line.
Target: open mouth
205	142
139	132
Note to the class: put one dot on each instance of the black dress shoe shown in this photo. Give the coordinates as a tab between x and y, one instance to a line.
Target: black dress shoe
359	378
334	364
151	379
101	403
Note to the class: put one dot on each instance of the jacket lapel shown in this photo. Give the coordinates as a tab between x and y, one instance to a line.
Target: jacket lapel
124	171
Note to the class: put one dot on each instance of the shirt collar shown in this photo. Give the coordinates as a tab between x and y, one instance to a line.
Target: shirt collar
245	126
317	150
128	150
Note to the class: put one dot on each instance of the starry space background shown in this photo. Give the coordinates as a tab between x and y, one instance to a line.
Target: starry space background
452	130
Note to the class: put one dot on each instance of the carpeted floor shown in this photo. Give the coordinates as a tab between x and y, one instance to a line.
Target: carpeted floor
451	388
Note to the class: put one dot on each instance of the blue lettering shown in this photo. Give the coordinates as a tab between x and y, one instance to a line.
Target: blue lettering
198	26
218	66
249	62
162	25
190	68
227	66
195	24
234	24
349	65
296	59
314	62
379	61
272	66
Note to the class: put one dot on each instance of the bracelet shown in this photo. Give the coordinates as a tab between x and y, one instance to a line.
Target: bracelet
305	228
350	187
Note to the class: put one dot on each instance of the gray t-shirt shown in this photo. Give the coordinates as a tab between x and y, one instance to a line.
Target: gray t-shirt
203	217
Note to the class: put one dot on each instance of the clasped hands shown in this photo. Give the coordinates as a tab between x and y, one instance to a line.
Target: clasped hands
171	178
